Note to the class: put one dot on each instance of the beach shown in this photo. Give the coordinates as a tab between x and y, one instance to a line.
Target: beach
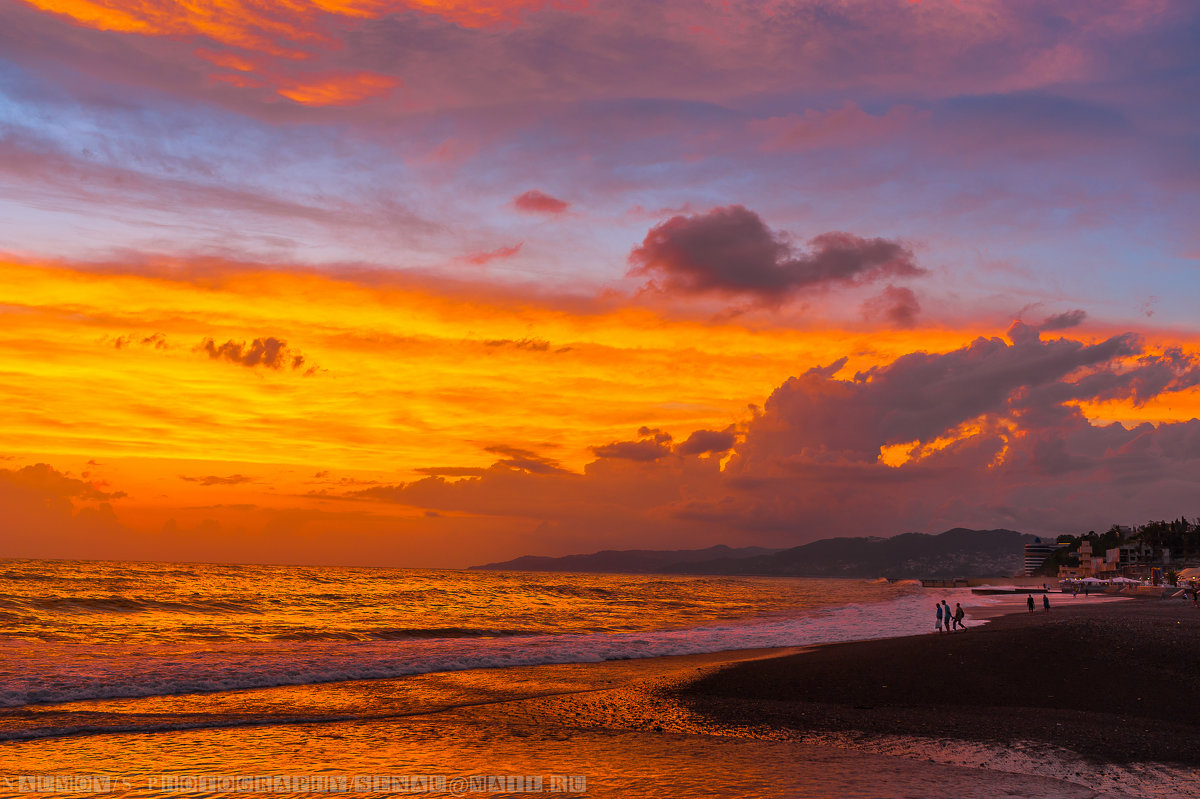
1114	682
1099	695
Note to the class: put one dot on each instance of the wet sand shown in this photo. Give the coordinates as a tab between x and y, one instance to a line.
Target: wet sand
1114	682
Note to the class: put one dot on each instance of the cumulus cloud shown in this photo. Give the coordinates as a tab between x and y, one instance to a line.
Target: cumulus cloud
646	449
44	479
922	396
48	514
1064	320
702	442
269	352
989	434
659	436
731	251
538	202
896	305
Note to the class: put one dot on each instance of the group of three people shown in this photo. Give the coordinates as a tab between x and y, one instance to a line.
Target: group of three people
950	619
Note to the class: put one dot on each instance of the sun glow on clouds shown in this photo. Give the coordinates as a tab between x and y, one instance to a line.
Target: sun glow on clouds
408	377
382	378
261	38
340	89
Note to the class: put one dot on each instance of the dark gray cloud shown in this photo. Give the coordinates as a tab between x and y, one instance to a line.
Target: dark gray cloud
896	305
158	341
269	352
525	460
659	436
702	442
731	250
921	396
1064	320
647	449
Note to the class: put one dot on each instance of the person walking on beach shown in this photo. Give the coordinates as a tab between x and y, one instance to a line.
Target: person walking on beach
947	616
958	616
1029	602
1045	603
939	618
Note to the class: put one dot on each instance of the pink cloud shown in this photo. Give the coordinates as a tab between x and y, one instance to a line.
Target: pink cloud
538	202
500	253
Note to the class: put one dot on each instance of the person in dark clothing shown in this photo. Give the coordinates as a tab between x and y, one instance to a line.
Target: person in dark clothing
1029	602
958	616
1045	602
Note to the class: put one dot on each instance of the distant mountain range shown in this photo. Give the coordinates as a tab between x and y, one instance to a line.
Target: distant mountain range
628	561
955	553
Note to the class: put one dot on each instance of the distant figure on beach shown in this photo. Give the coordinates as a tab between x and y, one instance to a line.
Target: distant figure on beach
947	616
958	616
939	617
1045	602
1029	602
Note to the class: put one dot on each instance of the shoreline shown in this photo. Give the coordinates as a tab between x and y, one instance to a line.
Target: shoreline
1110	682
257	706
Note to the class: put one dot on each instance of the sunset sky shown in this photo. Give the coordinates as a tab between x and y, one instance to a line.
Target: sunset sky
435	283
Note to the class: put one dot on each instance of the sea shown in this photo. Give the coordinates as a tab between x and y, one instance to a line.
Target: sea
168	679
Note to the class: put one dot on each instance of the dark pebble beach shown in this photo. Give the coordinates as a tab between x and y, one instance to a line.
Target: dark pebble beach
1115	682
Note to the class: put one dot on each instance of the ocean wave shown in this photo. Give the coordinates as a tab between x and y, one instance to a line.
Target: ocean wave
402	634
125	604
67	674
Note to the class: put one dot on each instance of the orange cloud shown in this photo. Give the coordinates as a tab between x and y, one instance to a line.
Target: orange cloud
339	89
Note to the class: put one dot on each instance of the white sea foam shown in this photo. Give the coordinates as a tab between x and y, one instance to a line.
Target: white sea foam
53	673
